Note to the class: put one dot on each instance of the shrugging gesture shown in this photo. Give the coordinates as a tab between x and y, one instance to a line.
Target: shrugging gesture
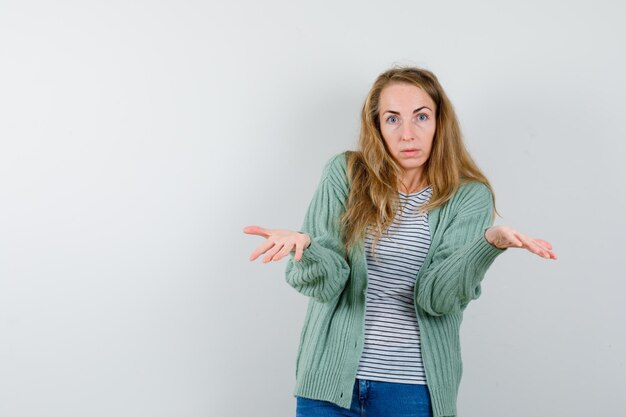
319	268
410	140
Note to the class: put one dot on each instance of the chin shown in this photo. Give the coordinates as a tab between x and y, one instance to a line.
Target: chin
408	165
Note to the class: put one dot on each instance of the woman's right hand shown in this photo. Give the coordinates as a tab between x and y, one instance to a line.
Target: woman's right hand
279	243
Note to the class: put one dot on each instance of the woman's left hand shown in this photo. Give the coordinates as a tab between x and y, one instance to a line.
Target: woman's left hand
506	237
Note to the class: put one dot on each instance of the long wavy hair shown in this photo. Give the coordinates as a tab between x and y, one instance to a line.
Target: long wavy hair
374	174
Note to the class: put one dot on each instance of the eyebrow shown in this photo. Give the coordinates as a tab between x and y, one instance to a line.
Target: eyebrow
414	111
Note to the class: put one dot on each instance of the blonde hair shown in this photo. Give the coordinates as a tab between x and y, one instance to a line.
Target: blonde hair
374	174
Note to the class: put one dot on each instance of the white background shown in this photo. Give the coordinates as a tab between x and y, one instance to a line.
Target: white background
138	138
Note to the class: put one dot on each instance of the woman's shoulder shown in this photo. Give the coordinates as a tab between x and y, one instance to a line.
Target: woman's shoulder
335	171
473	187
472	196
337	162
336	167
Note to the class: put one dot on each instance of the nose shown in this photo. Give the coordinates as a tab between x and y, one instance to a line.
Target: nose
408	133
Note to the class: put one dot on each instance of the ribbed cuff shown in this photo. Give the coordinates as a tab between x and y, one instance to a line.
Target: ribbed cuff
443	400
313	254
482	253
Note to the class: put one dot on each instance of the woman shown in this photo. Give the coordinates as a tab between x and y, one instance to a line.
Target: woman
394	246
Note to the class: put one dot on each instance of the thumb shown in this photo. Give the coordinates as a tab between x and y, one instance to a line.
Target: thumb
256	230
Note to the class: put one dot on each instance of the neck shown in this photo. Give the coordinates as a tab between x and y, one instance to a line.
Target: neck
412	183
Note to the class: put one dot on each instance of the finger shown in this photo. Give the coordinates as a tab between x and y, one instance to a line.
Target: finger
544	243
283	252
257	230
526	241
549	255
546	248
517	239
535	248
270	253
299	251
261	249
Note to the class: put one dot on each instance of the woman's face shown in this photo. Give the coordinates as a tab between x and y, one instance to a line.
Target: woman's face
407	123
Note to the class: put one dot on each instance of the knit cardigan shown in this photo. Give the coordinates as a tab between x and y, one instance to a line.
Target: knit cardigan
331	341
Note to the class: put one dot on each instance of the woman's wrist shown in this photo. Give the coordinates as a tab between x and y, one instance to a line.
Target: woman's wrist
487	237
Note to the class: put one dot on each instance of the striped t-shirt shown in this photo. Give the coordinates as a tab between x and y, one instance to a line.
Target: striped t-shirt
392	339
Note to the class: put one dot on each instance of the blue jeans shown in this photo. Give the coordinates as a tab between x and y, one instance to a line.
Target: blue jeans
373	399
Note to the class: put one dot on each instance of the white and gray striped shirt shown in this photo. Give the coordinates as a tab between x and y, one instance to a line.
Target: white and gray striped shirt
392	350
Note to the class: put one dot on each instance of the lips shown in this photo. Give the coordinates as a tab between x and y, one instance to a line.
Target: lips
409	152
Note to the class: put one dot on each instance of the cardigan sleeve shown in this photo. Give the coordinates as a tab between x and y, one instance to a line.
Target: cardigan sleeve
323	270
452	278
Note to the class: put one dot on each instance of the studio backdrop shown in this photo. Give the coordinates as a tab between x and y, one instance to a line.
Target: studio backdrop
138	138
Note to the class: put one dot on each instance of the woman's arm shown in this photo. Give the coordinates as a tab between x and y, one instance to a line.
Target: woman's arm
452	278
318	266
323	270
468	247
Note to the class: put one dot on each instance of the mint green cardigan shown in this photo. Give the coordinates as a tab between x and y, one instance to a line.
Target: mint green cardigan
331	341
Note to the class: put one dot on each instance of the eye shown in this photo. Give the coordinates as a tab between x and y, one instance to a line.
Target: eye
392	119
422	117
